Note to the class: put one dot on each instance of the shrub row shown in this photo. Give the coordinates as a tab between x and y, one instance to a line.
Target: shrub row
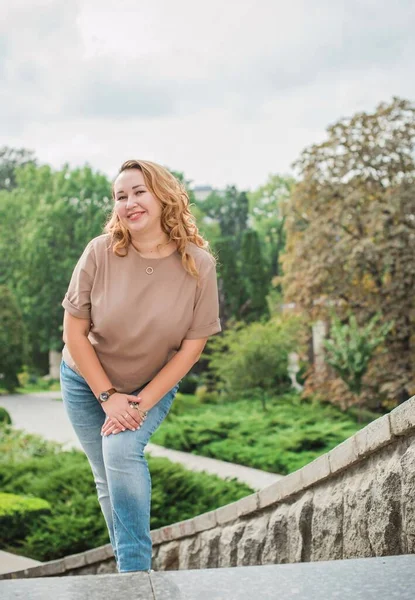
18	514
289	434
64	480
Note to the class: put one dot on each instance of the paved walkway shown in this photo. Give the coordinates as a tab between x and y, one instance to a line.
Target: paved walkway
380	578
12	562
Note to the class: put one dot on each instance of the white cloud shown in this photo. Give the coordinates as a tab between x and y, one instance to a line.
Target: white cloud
226	92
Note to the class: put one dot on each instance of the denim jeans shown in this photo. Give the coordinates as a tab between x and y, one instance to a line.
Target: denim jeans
119	467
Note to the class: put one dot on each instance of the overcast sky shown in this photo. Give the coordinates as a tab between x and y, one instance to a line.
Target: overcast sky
227	92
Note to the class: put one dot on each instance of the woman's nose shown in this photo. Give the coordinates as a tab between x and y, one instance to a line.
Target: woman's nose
131	201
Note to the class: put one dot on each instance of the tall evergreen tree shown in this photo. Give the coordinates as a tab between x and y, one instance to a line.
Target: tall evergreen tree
232	291
255	278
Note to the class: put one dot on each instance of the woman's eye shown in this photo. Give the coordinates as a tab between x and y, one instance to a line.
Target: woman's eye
137	192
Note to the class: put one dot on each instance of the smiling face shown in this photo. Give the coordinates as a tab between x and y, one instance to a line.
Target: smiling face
131	196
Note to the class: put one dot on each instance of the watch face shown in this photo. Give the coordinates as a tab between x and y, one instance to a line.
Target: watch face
104	396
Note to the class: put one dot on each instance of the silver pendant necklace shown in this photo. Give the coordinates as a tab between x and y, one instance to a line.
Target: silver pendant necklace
149	270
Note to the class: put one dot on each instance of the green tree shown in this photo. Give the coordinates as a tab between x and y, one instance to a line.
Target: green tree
350	349
232	293
12	339
350	233
66	217
228	217
230	211
256	278
252	360
267	206
10	160
57	213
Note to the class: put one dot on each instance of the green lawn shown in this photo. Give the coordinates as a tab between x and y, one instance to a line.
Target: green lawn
290	434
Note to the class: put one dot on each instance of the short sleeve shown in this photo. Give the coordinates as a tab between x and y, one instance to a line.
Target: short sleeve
206	320
77	300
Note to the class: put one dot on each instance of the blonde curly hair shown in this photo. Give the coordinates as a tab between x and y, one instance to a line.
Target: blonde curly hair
176	219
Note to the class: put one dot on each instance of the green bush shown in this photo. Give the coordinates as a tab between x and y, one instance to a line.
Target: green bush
30	381
24	377
4	417
253	360
64	479
18	516
291	433
189	383
204	396
183	403
17	445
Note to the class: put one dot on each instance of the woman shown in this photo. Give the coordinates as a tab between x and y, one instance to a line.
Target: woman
140	306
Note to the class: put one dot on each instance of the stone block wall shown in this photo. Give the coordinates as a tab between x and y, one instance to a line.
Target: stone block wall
358	500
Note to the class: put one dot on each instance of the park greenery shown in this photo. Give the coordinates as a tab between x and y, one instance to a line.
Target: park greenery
350	239
48	502
340	235
350	349
336	243
290	434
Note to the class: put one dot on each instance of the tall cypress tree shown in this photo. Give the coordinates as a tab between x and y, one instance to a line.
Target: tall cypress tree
255	277
234	294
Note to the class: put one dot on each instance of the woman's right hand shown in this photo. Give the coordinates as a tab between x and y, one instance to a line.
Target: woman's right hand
118	409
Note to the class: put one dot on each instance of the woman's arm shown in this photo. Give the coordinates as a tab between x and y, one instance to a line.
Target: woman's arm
75	336
177	367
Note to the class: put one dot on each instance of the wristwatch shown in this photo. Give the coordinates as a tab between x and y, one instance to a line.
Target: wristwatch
103	397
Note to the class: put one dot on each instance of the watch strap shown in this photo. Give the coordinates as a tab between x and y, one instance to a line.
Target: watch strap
109	392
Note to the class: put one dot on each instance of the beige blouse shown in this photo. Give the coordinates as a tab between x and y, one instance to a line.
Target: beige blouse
141	309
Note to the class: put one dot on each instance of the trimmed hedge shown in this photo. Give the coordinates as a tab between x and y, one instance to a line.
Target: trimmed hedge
288	435
18	515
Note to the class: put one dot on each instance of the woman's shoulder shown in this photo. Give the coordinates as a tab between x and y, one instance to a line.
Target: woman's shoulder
202	257
100	243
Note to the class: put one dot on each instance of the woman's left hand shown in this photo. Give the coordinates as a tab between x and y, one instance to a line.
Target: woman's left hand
110	427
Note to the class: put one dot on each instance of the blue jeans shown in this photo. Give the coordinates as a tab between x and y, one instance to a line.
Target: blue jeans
119	468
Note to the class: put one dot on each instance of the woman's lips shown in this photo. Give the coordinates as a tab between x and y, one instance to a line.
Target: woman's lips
135	216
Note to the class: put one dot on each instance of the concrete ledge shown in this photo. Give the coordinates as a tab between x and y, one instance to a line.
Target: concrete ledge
98	554
374	436
75	561
227	513
344	455
402	418
205	521
47	569
248	505
282	489
317	470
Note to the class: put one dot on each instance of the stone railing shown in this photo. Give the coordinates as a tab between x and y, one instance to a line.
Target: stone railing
357	500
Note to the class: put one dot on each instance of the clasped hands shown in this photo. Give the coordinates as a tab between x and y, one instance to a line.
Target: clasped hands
120	414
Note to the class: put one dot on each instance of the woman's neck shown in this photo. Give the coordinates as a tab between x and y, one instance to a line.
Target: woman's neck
154	251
